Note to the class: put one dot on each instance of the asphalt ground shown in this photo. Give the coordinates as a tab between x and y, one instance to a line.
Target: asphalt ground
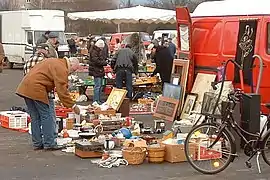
19	161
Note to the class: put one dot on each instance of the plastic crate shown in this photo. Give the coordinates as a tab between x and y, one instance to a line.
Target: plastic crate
14	119
62	112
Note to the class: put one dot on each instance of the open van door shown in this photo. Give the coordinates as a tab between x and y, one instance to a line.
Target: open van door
184	47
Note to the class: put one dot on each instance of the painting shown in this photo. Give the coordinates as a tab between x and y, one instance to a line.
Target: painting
179	77
172	91
116	98
166	108
188	106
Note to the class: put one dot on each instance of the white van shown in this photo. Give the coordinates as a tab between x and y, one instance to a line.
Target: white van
20	31
166	33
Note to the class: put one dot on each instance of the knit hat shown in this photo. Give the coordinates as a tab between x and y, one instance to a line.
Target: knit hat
100	43
53	35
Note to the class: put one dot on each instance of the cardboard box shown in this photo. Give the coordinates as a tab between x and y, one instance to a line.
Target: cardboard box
175	153
207	154
110	112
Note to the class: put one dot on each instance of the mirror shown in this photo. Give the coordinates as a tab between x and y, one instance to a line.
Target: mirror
30	38
184	37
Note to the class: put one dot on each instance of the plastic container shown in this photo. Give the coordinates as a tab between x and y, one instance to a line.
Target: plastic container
14	119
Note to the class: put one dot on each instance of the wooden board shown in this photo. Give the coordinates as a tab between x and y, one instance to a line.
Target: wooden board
180	70
201	85
166	108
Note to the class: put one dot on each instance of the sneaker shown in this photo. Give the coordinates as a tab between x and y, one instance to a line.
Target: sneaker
38	148
55	148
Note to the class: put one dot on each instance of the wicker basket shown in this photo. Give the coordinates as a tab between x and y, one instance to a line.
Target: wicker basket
156	154
134	155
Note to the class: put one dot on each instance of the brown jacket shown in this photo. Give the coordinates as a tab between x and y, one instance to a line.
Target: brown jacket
43	78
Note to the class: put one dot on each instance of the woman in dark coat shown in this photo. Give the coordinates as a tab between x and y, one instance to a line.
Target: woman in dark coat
164	62
97	62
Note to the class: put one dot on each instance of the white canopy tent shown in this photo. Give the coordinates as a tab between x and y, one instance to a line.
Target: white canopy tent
138	14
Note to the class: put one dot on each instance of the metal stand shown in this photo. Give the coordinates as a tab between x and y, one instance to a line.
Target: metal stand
258	162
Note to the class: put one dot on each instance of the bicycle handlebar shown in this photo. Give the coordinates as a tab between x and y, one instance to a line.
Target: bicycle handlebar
237	94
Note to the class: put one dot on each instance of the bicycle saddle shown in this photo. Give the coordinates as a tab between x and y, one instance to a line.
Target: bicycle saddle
267	105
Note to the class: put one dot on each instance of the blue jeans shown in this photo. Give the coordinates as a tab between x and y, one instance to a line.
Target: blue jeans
41	116
52	109
121	75
97	89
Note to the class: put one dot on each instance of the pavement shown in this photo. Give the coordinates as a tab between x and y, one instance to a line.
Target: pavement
19	161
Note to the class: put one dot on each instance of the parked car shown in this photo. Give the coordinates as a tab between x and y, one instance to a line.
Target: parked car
145	38
125	39
166	34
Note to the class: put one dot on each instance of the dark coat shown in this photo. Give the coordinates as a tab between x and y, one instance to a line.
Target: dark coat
97	61
106	50
164	63
72	46
172	49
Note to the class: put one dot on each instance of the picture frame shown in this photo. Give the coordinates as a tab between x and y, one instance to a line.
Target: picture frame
189	105
180	70
175	79
166	108
116	98
172	91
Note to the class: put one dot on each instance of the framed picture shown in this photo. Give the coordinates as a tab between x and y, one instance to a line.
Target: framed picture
179	77
172	91
166	108
189	105
116	98
175	79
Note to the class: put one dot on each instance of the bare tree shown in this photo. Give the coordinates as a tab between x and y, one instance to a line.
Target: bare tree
6	5
171	4
126	3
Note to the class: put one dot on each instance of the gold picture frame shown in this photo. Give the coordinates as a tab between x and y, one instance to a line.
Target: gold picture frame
116	98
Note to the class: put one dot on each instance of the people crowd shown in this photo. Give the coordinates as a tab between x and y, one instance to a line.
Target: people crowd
44	73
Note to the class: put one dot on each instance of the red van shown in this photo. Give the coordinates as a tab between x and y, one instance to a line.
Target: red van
212	33
125	39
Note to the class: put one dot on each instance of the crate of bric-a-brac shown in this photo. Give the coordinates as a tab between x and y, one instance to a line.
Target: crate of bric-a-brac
14	119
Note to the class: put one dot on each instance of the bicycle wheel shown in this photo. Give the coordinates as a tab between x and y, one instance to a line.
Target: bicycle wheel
209	160
266	148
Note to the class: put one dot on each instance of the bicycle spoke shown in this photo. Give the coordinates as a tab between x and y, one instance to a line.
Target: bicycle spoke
209	160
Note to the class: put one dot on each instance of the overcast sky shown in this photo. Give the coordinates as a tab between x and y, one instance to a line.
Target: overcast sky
139	1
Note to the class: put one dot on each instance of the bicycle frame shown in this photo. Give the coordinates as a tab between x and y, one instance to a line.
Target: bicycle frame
229	122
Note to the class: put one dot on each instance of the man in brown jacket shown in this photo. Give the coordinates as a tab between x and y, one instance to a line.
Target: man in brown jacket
43	78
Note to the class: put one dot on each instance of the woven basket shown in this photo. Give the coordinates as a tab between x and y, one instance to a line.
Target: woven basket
156	154
134	155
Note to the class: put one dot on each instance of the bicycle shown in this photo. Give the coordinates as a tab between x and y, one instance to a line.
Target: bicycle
213	144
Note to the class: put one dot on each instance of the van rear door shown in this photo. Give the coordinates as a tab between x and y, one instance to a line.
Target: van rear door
184	47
